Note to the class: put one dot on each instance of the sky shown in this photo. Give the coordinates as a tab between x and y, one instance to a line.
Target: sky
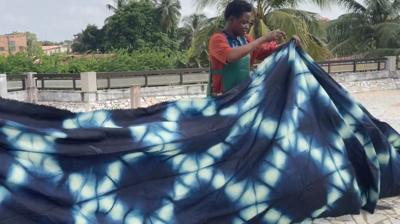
58	20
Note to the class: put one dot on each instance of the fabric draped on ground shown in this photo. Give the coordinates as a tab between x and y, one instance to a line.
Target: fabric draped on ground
289	145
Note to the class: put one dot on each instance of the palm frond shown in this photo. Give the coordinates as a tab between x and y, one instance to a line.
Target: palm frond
346	26
258	28
396	6
318	49
309	18
111	7
289	23
198	50
347	47
387	34
382	52
352	5
216	4
170	14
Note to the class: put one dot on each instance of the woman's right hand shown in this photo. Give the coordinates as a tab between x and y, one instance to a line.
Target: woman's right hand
274	35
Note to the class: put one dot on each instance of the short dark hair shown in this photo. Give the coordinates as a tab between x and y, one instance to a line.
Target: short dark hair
236	9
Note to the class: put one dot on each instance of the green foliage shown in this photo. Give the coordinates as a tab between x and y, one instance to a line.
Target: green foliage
19	62
196	28
3	64
371	30
323	30
50	43
144	35
169	12
119	60
185	37
279	14
198	52
117	5
90	40
303	24
134	38
135	25
132	27
34	46
195	22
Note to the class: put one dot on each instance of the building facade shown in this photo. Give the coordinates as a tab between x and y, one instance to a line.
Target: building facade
13	43
56	49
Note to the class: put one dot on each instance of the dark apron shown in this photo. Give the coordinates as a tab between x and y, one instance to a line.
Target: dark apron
232	74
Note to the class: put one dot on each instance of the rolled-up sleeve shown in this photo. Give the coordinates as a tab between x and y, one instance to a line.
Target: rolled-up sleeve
264	51
219	48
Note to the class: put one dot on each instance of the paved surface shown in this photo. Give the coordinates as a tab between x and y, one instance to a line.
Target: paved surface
384	105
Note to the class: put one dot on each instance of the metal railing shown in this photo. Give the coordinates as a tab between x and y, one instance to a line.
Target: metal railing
113	80
16	82
358	65
58	81
188	76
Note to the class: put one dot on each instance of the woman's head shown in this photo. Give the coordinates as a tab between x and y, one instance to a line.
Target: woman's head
238	16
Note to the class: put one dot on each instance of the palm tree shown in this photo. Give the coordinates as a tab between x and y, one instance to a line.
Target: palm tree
170	14
194	22
117	5
198	52
89	40
278	14
372	30
191	26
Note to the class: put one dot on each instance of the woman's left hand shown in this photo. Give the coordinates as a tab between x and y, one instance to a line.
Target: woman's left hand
297	39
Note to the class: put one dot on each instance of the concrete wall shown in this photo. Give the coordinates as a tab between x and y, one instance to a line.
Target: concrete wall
363	76
353	82
3	85
369	81
114	94
60	95
17	95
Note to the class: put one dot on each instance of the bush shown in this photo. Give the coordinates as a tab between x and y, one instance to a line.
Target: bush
119	60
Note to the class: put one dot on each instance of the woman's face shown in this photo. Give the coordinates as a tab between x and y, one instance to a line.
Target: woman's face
240	26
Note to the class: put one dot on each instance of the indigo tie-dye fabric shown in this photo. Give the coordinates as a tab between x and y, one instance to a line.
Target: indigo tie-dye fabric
290	145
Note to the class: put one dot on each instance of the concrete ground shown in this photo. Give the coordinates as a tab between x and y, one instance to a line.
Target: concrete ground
385	105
